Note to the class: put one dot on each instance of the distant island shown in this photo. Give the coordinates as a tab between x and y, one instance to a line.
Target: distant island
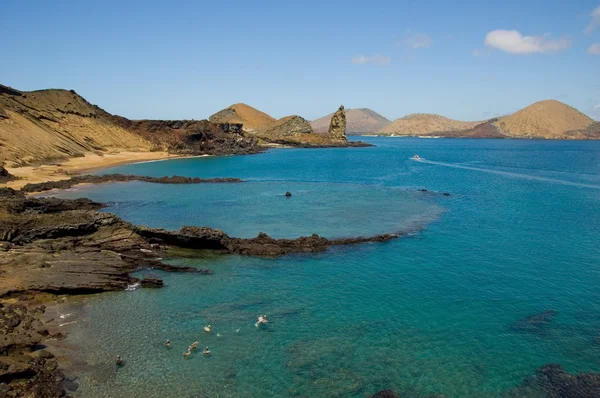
549	119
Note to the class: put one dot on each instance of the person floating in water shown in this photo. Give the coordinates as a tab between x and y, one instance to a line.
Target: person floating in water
168	343
206	351
262	320
119	361
194	345
187	353
207	328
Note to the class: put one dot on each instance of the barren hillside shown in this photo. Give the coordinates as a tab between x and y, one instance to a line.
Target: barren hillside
57	124
251	118
425	124
544	119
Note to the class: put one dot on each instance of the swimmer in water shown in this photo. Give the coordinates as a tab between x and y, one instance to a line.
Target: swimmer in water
206	351
168	343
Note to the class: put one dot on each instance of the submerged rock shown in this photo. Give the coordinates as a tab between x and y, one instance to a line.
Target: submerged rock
553	381
536	323
288	194
337	126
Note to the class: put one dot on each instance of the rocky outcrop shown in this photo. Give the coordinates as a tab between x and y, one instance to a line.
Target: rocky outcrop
290	126
337	126
193	137
5	176
263	245
297	132
106	178
25	369
52	246
66	247
358	121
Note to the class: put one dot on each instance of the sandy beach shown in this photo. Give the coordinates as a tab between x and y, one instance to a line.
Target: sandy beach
86	164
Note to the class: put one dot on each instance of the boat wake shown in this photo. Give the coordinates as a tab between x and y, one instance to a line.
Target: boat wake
510	174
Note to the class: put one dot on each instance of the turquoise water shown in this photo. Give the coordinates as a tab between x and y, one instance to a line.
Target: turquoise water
429	313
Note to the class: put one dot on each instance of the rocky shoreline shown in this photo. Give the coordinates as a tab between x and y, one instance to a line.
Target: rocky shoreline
107	178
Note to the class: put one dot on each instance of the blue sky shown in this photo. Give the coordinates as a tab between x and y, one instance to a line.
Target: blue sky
468	60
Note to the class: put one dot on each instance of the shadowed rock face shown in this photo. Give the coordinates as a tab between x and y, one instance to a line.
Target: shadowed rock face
337	126
5	176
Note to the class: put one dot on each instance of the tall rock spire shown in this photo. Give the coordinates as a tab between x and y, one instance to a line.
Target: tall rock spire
337	127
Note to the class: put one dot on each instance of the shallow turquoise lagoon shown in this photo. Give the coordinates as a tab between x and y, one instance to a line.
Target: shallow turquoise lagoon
433	312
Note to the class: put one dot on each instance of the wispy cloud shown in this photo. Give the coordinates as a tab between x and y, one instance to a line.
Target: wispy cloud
374	59
594	49
416	40
595	21
513	42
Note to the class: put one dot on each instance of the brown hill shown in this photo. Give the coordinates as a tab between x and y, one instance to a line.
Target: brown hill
358	121
57	124
425	124
545	119
251	118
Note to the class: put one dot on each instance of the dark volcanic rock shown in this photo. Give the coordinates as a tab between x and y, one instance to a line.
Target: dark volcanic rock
536	323
23	372
100	179
152	282
5	176
193	137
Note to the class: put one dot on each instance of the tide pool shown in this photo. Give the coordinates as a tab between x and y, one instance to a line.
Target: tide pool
437	311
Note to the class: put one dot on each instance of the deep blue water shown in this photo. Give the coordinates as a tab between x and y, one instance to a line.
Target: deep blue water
428	313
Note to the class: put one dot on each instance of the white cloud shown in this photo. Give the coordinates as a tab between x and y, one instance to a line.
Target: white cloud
416	40
513	42
595	21
374	59
594	49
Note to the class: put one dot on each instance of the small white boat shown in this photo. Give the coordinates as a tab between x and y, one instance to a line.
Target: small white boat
416	157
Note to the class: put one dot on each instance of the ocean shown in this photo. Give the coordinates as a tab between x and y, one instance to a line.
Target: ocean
446	309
